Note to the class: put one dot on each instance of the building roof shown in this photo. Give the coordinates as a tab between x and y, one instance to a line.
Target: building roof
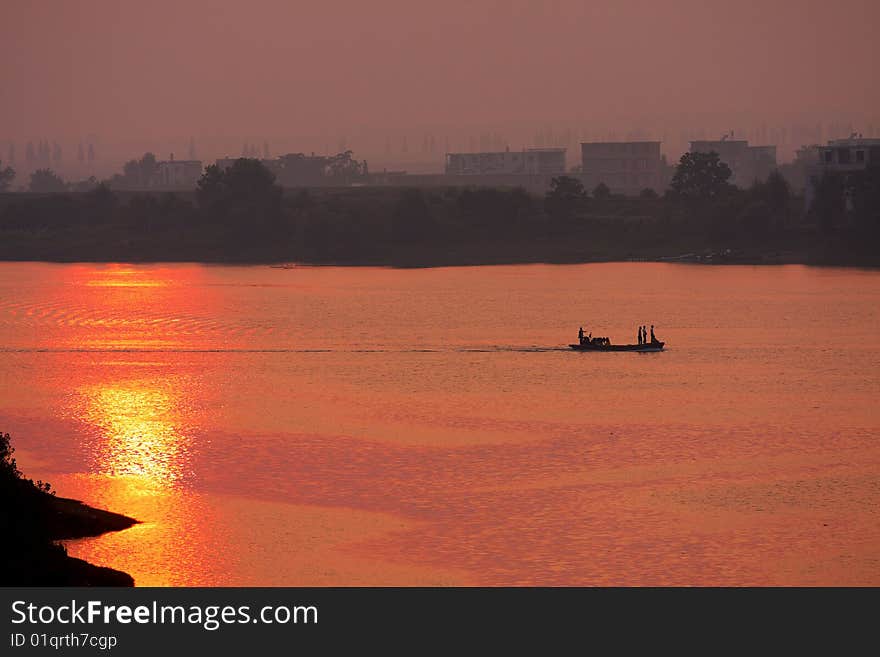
517	152
617	143
852	141
738	142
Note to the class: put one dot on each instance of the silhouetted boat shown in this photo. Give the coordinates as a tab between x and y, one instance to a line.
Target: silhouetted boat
590	346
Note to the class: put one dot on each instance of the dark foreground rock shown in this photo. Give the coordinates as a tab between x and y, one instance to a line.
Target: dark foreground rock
33	520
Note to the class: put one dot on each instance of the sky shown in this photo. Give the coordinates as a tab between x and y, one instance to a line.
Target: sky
153	71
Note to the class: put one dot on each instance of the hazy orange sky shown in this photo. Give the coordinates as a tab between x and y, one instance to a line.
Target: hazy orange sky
216	69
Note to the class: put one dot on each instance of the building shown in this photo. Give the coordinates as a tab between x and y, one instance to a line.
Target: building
797	172
626	167
747	163
852	154
529	161
841	156
762	160
177	174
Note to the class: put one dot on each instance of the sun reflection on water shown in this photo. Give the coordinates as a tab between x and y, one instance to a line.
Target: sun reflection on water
140	424
141	435
115	275
141	447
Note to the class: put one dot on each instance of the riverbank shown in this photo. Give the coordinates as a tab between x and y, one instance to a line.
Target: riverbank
32	522
425	228
473	255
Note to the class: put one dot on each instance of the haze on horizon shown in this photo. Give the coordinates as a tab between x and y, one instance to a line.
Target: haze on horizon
221	70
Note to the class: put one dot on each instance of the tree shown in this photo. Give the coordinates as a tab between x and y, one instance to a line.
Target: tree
244	195
344	169
46	180
6	177
493	208
149	168
647	193
245	179
864	191
829	206
769	200
411	220
601	191
138	173
701	176
566	187
777	191
565	195
211	186
101	203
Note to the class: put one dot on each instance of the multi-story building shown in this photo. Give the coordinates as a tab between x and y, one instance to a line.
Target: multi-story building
747	163
842	156
177	174
852	154
530	161
626	167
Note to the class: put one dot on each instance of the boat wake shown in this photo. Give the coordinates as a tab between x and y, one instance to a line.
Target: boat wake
234	350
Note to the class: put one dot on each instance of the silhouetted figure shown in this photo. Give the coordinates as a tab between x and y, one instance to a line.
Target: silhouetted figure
653	338
640	335
581	335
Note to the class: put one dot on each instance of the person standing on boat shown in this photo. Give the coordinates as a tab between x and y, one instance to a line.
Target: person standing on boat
653	339
581	335
640	335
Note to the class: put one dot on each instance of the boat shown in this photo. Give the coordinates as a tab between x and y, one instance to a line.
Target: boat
643	348
589	343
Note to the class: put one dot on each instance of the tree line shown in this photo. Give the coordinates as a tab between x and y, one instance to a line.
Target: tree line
241	213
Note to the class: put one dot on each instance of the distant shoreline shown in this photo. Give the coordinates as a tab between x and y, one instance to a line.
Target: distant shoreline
439	261
422	228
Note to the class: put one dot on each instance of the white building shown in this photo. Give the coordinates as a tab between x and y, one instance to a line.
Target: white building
178	174
626	167
747	163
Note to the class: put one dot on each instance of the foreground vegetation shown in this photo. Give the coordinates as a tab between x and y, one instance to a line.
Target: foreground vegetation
241	215
33	519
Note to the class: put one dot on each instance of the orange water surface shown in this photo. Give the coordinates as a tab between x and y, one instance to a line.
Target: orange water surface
363	426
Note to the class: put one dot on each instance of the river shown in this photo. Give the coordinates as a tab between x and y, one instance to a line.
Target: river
371	426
